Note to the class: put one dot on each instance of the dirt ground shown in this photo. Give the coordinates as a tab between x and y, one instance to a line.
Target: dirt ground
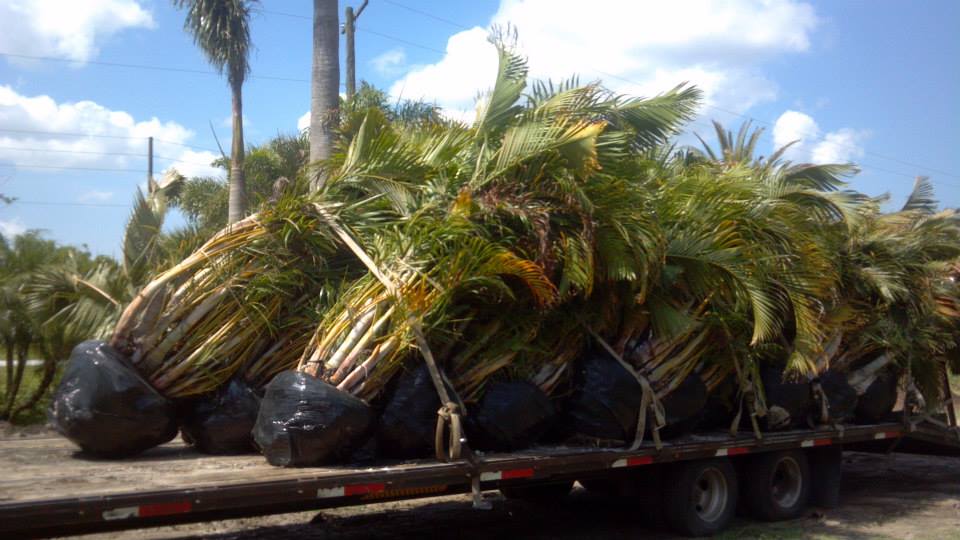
884	496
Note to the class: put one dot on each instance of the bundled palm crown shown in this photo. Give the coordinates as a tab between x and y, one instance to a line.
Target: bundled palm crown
559	226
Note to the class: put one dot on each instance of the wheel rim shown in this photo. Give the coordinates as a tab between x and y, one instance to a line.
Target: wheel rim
710	495
786	483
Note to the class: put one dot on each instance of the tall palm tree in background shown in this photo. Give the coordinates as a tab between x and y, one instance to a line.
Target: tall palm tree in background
221	28
324	80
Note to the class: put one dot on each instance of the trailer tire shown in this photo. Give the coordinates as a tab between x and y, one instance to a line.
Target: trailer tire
538	493
776	485
700	497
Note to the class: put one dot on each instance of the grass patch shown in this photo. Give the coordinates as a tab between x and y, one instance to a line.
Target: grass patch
32	376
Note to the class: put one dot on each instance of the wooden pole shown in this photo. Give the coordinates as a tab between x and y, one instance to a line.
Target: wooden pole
349	30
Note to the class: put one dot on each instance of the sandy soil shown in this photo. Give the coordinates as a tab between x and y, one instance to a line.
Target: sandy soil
895	496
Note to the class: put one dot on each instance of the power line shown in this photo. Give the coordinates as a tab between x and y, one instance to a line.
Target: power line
57	167
427	14
102	136
71	134
143	66
282	14
90	152
400	40
58	203
59	151
367	30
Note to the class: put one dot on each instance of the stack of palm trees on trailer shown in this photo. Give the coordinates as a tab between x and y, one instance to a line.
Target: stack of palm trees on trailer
560	217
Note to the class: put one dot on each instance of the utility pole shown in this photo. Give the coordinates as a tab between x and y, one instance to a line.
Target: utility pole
149	164
349	30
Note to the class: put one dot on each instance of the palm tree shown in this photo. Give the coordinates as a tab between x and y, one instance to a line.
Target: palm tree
324	81
221	28
21	331
59	297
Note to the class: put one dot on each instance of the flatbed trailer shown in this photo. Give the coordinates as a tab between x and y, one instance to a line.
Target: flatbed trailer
49	489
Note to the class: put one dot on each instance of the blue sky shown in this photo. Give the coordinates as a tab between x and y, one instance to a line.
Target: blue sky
875	82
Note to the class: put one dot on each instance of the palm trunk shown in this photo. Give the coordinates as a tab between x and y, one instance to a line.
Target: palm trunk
324	82
15	387
49	370
238	192
9	379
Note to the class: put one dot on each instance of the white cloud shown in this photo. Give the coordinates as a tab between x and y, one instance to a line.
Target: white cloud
304	121
196	163
390	63
653	45
95	196
11	228
115	139
66	28
844	145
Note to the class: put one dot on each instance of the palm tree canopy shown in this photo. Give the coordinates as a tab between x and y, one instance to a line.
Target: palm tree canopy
221	28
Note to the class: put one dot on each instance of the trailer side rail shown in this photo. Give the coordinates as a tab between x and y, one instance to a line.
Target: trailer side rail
135	509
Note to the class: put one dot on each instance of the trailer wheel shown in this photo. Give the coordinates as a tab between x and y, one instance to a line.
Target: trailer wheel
700	497
777	485
538	493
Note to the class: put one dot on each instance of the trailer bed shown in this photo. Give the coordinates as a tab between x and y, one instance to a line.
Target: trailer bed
48	488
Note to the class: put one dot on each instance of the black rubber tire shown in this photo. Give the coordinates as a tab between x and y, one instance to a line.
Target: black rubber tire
767	476
538	493
682	513
602	486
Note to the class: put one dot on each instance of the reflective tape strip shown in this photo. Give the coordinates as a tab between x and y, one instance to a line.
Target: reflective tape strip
732	451
126	512
886	435
632	462
493	476
816	442
363	489
350	491
148	510
329	493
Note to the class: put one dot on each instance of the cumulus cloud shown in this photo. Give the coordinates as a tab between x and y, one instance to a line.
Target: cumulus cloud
390	63
37	130
304	121
11	228
66	28
645	49
844	145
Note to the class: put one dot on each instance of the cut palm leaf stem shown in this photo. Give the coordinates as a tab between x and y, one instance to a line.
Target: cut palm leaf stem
222	242
354	354
861	379
359	373
157	354
358	329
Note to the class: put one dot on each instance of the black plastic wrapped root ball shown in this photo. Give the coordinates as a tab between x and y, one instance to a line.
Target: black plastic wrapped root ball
684	407
788	403
304	421
878	401
510	416
222	422
105	407
408	424
606	399
841	397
